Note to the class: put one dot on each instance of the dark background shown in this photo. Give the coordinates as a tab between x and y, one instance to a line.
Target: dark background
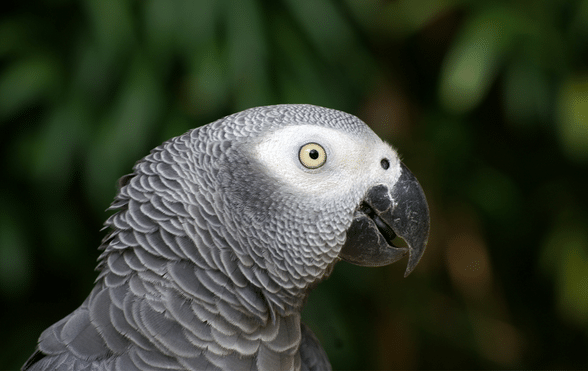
486	101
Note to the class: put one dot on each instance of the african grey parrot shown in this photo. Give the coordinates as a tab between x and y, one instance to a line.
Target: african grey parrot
219	235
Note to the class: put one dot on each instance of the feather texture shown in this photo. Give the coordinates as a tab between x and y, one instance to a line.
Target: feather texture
210	258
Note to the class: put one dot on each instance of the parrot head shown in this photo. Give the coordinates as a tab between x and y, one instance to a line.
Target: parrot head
304	187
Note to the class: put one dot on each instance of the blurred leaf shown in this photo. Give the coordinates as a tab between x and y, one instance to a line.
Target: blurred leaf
15	264
497	195
564	255
26	82
334	39
497	340
112	23
573	279
324	25
66	130
95	74
124	132
198	23
64	231
208	85
363	11
474	60
14	34
299	78
181	25
161	25
579	23
404	17
573	117
467	256
247	54
526	94
452	140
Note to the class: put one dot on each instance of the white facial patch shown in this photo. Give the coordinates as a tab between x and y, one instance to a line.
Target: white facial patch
351	160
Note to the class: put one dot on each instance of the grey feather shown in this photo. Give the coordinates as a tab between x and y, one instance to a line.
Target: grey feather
312	354
210	258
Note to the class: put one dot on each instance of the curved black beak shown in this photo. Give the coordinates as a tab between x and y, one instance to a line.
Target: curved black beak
384	214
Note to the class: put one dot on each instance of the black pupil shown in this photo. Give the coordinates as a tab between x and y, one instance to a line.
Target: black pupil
313	154
385	163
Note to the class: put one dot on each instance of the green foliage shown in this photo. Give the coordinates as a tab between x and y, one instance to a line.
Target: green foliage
564	256
487	101
573	117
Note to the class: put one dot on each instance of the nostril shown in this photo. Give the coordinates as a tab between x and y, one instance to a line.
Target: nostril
366	209
385	163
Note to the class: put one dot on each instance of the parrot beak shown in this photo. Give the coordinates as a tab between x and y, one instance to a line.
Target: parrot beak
384	214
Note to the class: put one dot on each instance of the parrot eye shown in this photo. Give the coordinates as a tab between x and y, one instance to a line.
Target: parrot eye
312	155
385	163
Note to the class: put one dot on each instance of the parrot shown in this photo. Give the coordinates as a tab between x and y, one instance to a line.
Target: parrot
218	236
